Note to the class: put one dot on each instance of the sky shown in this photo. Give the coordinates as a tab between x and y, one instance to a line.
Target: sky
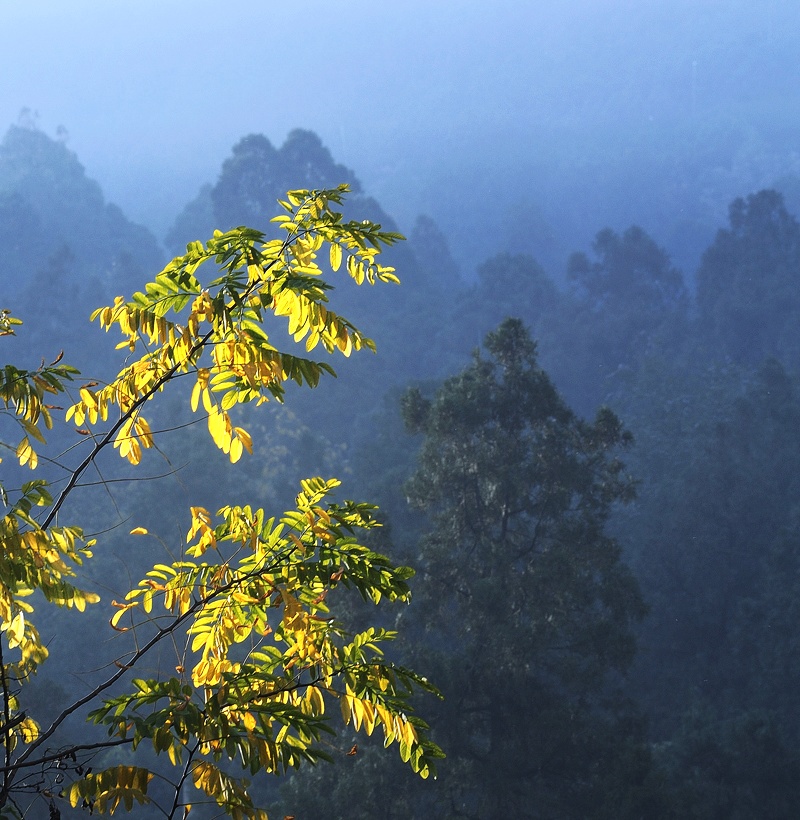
437	106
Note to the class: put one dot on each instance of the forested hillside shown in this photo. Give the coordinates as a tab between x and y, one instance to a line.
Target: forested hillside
595	471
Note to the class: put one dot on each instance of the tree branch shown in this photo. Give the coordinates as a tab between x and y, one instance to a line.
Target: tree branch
184	774
107	438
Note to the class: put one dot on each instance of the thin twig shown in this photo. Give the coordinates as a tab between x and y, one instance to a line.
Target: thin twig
179	785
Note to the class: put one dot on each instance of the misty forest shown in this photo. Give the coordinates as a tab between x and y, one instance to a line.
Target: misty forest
570	421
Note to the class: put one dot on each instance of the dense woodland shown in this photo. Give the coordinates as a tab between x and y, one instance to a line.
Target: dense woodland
593	466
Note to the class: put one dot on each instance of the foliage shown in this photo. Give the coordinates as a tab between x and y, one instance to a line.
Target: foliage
410	319
739	768
747	284
506	283
630	267
628	299
248	604
508	470
525	603
713	539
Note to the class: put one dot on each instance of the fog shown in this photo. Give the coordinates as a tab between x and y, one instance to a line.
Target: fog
582	426
570	111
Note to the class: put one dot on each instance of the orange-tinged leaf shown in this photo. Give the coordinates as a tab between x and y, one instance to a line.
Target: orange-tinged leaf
244	437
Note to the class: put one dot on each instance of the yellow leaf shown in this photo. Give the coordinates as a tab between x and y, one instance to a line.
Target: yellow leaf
26	454
116	618
142	429
315	700
139	531
29	730
88	397
16	630
219	426
200	385
336	256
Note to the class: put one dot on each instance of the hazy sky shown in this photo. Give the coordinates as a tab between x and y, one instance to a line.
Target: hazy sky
412	95
154	92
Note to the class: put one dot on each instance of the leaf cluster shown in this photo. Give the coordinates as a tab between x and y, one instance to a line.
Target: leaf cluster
260	655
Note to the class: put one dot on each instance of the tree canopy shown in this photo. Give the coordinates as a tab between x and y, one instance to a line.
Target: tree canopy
747	283
248	605
525	602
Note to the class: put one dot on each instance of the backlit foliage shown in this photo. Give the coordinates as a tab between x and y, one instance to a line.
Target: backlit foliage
261	664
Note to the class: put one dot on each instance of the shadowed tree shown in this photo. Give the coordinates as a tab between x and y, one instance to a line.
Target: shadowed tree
627	299
748	284
253	178
526	605
48	189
